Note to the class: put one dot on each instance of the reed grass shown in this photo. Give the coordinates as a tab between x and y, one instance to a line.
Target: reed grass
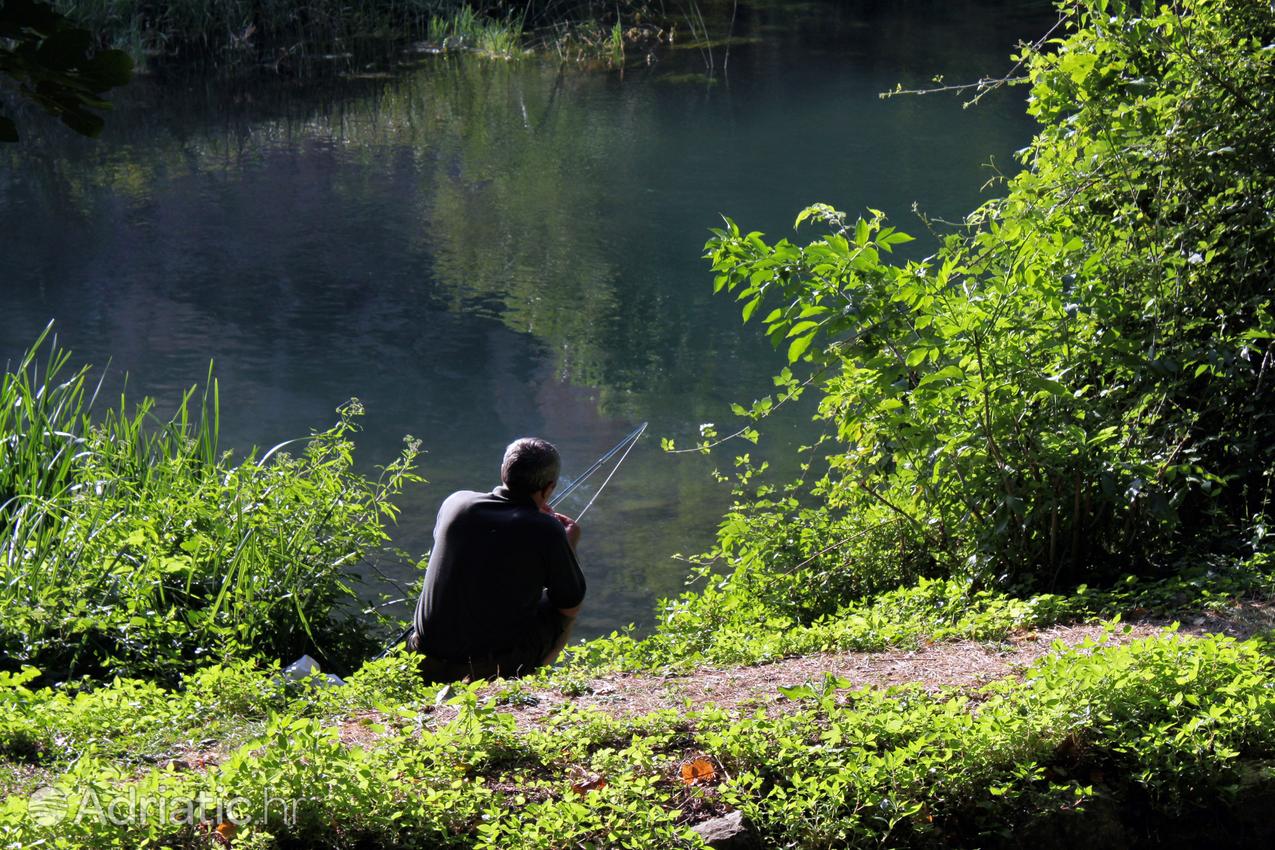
617	44
466	28
43	417
131	544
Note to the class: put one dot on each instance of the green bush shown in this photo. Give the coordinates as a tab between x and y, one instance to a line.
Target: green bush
131	546
1078	383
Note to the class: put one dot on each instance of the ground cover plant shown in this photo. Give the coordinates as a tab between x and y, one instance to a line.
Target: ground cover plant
1159	727
130	544
138	720
725	624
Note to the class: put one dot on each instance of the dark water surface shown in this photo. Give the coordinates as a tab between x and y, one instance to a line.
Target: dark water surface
480	250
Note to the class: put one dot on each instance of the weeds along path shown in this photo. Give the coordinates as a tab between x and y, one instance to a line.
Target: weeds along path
960	664
966	665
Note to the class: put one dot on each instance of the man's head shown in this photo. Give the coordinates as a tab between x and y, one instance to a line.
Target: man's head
530	465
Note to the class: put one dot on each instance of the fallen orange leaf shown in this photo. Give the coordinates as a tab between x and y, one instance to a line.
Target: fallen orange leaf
224	832
698	770
591	783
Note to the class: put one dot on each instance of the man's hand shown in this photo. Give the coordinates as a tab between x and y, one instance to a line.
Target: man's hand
572	527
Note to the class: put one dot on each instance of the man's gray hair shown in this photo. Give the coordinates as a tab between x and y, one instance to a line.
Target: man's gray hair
530	465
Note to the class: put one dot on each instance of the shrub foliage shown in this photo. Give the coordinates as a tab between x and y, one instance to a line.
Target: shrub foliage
130	545
1079	381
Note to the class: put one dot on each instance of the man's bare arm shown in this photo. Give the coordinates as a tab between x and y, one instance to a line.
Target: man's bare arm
569	614
572	528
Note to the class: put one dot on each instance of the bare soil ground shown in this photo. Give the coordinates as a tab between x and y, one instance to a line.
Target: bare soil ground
744	689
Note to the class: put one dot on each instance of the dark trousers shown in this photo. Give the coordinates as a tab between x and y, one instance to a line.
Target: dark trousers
509	663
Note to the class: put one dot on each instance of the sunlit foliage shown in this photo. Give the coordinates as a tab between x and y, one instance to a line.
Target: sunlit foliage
130	544
1078	382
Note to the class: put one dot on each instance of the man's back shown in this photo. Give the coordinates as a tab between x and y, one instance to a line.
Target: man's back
495	556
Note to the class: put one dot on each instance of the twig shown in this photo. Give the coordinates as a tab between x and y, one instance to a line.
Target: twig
787	398
982	83
986	84
840	543
891	505
730	34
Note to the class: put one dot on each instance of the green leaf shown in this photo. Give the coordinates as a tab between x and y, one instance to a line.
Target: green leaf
947	373
799	346
82	122
798	692
801	328
861	233
109	69
17	680
65	49
916	357
821	210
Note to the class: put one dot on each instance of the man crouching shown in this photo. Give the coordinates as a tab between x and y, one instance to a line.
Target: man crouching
503	586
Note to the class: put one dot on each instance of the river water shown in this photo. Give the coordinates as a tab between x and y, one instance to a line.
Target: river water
480	250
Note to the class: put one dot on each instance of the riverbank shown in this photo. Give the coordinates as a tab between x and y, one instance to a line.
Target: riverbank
931	639
287	37
1120	732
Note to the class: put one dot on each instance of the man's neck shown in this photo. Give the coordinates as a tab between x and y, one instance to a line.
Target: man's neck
541	497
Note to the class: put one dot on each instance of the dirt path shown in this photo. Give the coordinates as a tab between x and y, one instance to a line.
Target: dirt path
936	665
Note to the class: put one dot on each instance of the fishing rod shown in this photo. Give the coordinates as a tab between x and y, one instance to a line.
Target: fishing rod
629	440
626	445
632	441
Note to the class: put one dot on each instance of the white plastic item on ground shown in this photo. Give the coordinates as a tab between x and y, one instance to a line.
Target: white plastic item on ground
306	667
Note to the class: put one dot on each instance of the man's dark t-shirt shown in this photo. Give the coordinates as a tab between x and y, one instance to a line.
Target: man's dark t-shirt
495	557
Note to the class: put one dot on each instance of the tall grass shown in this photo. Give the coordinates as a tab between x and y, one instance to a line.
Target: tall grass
43	419
617	44
467	28
130	544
